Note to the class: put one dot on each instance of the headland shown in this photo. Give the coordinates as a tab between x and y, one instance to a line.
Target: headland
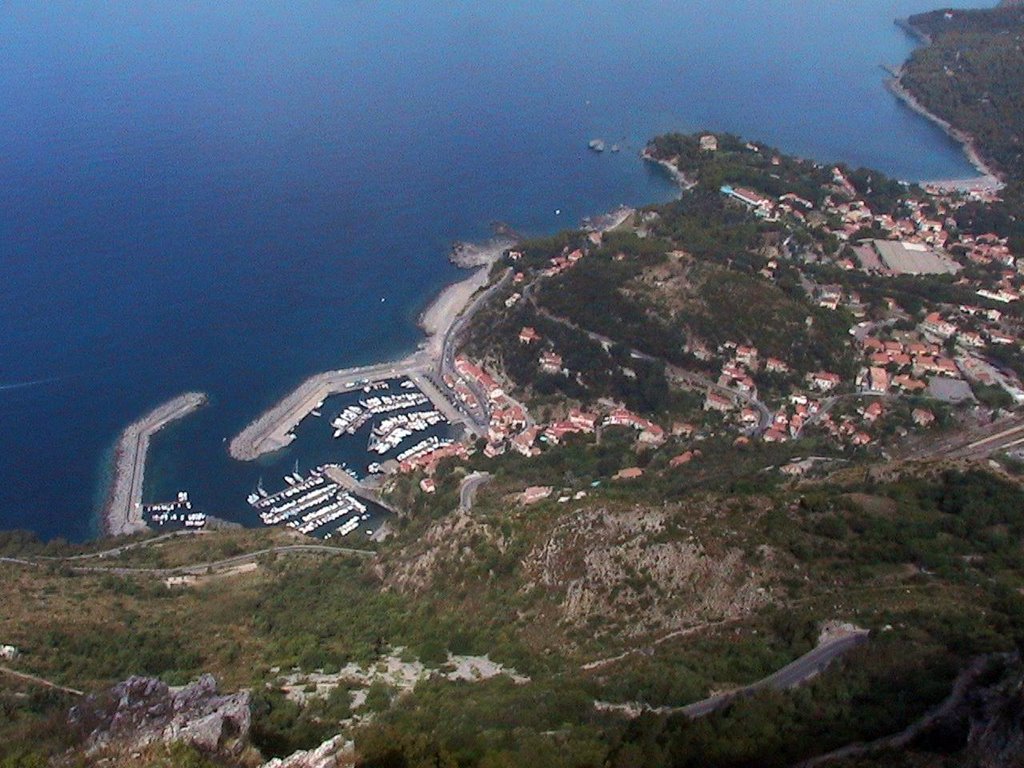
122	512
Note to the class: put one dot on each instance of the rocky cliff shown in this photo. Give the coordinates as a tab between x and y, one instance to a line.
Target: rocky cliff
141	711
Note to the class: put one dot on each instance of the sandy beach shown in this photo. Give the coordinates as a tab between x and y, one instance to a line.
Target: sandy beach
438	317
273	429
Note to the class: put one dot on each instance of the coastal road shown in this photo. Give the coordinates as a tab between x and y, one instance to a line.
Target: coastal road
468	488
115	551
446	362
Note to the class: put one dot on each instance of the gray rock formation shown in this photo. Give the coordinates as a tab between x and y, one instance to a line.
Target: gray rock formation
331	753
142	710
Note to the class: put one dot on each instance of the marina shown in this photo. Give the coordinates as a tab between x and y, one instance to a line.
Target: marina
367	429
313	506
123	511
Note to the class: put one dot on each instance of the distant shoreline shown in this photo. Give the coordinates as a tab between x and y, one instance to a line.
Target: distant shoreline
988	178
272	429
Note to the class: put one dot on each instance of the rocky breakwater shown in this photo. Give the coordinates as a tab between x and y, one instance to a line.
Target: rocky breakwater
122	513
141	711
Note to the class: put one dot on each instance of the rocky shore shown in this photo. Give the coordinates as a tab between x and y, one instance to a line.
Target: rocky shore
678	176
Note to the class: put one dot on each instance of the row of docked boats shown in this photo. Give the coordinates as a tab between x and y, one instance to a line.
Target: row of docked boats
390	433
310	505
424	447
389	403
350	420
174	513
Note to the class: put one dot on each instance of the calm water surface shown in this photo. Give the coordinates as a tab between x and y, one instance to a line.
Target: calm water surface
218	195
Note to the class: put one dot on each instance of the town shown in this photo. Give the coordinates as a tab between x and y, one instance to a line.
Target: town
915	362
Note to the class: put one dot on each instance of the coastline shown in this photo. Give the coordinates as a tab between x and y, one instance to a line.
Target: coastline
678	176
987	176
273	429
122	510
988	179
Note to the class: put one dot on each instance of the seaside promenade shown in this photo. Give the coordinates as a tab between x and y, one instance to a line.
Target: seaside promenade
122	514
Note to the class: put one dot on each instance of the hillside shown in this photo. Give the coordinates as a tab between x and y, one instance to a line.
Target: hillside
616	597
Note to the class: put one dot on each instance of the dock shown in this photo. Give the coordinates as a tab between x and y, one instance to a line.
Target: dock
122	513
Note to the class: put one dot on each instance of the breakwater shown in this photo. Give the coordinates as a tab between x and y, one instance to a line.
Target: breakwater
122	513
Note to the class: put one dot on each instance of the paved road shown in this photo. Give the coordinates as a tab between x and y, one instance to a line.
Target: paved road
201	568
480	416
800	671
468	488
793	674
115	551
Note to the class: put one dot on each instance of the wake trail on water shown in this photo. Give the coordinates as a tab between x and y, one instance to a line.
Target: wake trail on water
27	384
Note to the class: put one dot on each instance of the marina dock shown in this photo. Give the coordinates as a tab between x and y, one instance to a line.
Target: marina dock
122	514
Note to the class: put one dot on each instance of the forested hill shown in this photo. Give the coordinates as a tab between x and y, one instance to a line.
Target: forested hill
972	75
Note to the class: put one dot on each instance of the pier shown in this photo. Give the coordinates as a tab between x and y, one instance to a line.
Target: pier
122	514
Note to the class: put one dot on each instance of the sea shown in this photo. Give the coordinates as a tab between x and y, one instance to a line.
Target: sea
229	196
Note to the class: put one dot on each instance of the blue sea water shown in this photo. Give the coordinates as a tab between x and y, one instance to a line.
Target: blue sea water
229	196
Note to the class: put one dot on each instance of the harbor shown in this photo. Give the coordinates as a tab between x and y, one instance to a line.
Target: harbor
353	438
352	426
174	515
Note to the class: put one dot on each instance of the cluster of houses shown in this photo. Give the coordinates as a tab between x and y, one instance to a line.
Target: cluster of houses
549	361
428	461
938	358
910	361
512	428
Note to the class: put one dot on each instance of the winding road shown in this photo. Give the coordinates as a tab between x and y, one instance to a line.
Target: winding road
793	674
468	488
